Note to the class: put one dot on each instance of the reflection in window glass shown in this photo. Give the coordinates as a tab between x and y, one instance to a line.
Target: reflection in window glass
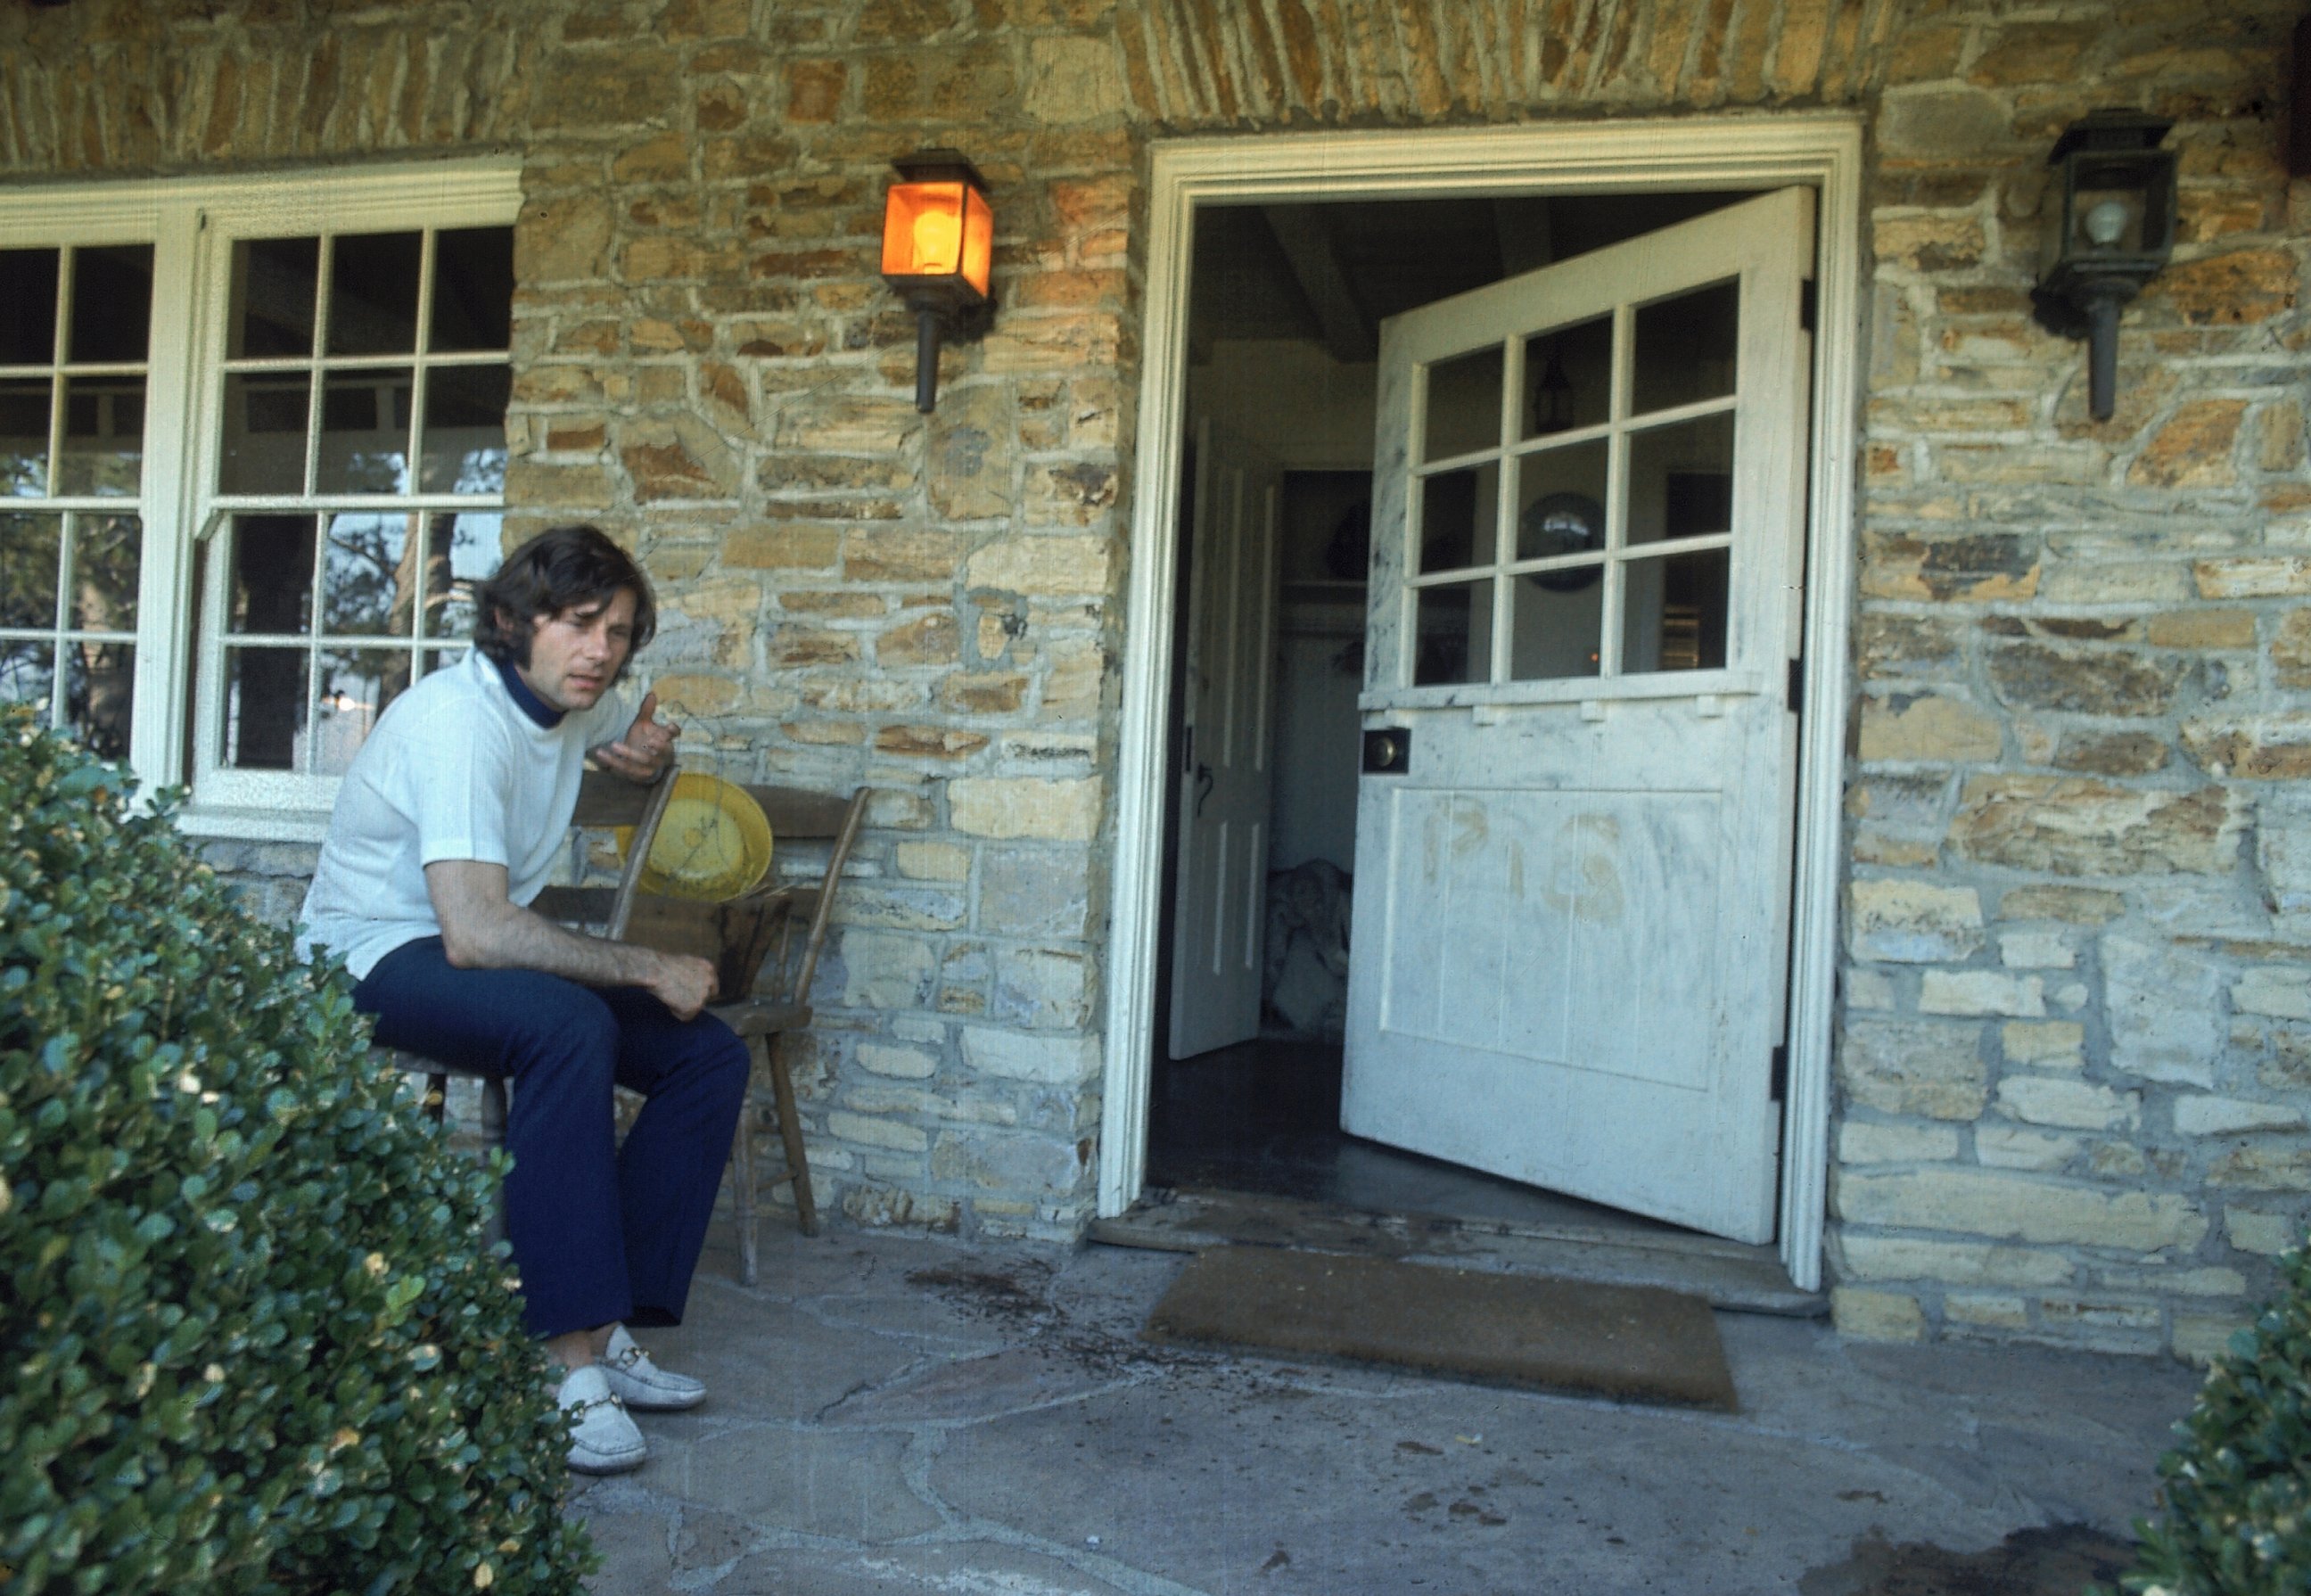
272	576
1454	634
1674	614
1568	378
373	294
265	432
1561	501
461	552
1464	404
1457	513
32	555
100	695
464	447
24	436
1681	480
265	709
105	551
355	685
104	436
1685	348
368	581
365	432
1556	619
28	671
28	307
473	289
112	304
275	284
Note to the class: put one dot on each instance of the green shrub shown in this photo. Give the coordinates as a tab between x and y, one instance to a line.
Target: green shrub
251	1339
2236	1493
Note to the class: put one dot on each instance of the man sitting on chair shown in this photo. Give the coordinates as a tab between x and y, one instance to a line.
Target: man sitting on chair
447	825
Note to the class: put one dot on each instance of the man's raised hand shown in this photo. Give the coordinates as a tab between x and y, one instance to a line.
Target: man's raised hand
647	747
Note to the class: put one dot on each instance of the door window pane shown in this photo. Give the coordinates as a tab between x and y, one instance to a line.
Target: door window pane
357	685
274	283
104	436
31	553
1681	480
265	415
1685	348
264	708
1556	618
100	695
373	294
105	553
112	304
24	436
473	289
1457	510
464	449
461	552
1454	634
1561	501
272	576
365	432
28	307
1568	378
1674	611
1464	404
368	579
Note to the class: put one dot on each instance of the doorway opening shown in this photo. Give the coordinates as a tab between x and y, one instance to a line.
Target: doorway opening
1283	310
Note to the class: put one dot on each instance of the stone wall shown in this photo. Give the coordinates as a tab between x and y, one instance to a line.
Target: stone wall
2075	1028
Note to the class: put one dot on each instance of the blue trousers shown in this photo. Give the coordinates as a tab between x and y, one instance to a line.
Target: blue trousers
600	1232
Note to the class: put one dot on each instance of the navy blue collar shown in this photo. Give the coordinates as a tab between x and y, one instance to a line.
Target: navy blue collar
528	703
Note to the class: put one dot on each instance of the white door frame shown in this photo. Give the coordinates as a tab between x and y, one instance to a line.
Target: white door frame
1691	154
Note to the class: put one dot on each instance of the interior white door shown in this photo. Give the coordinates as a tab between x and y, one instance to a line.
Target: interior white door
1573	836
1221	879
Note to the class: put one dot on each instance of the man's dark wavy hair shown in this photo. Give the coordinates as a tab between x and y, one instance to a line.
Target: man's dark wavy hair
562	568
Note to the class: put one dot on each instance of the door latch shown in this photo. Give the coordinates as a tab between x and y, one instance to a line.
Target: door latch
1388	750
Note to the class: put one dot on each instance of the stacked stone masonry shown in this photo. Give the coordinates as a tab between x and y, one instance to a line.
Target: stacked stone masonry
2074	1044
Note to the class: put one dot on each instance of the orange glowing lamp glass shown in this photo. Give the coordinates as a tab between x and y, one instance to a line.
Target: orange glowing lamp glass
938	247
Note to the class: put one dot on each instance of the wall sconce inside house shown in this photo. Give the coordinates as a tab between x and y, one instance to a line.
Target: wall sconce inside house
938	243
2115	229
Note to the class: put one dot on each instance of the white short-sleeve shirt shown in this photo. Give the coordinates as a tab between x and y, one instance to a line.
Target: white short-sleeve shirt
454	769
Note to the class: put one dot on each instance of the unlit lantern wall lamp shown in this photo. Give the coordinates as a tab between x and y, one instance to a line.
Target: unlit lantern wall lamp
2116	228
939	241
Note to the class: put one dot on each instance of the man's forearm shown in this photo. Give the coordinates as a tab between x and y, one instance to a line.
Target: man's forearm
511	937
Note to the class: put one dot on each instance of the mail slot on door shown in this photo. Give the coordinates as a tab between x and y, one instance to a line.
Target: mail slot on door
1388	750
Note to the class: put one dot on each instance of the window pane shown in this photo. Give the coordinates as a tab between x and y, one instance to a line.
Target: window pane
105	553
1556	618
100	695
30	547
1457	510
28	307
104	436
265	432
1464	404
368	580
365	432
1675	610
473	289
1568	378
274	281
264	708
464	449
461	552
1685	348
1561	501
1681	480
112	303
1454	634
28	672
357	685
24	436
373	294
272	575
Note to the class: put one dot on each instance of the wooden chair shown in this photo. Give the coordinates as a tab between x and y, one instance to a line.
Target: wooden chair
766	946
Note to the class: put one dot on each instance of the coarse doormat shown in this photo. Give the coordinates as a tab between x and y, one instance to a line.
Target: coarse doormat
1634	1343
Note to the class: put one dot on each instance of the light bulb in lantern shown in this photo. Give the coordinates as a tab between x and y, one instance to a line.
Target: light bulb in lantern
938	241
2106	222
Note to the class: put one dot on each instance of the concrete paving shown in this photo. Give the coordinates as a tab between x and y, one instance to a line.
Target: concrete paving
895	1414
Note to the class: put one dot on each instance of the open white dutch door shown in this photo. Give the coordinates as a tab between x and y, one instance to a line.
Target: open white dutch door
1573	832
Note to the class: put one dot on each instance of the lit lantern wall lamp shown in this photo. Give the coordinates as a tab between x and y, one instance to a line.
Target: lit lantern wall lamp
2116	228
938	242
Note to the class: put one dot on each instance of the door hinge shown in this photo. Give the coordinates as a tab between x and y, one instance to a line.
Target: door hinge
1779	1088
1809	305
1795	697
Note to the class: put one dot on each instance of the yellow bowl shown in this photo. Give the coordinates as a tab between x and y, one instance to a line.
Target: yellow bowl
714	843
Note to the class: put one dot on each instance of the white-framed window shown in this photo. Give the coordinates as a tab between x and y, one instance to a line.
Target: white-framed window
252	462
